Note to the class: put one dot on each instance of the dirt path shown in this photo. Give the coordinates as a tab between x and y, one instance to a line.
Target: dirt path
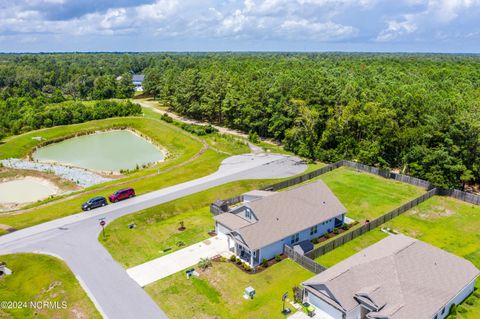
153	105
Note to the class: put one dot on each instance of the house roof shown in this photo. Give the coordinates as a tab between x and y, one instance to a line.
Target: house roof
138	78
232	221
259	193
285	213
400	276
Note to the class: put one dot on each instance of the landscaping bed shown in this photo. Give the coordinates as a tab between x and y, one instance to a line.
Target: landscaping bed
246	267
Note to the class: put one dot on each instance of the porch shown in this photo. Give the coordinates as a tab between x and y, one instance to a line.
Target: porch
252	258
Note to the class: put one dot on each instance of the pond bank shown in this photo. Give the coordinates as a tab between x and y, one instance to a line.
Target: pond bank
81	177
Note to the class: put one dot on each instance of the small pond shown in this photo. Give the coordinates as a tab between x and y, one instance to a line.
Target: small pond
25	190
104	151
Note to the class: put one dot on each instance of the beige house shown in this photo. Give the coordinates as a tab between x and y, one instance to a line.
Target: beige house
396	278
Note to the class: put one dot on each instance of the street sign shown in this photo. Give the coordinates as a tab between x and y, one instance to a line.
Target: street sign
285	296
103	223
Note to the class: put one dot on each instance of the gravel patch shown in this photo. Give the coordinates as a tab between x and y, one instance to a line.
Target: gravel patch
81	177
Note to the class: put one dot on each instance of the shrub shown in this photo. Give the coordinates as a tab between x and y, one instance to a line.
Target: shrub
451	317
336	231
345	227
239	261
167	118
278	258
247	267
470	301
476	294
453	310
265	262
233	258
223	259
315	240
461	309
253	137
204	263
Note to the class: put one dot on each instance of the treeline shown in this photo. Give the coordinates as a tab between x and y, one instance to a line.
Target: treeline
20	115
77	76
417	113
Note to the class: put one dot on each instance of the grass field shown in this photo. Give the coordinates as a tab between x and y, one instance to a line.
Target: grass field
180	145
444	222
368	196
218	292
43	278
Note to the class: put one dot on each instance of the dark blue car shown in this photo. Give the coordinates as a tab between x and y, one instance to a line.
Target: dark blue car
95	202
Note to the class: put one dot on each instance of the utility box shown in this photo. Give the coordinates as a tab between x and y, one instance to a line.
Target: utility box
4	270
249	293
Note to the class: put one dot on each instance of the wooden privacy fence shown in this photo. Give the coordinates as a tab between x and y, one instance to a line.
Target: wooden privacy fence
346	237
458	194
216	207
303	260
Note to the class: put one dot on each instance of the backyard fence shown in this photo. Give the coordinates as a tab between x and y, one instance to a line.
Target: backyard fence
348	236
458	194
218	207
303	260
302	178
387	174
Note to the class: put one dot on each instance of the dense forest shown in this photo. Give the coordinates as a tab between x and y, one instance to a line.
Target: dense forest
416	113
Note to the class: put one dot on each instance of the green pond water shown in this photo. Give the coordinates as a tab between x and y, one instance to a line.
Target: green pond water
103	151
24	191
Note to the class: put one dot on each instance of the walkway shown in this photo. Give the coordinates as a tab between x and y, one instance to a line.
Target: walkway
170	264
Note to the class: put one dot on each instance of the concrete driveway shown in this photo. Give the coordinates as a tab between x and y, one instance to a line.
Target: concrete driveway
170	264
74	238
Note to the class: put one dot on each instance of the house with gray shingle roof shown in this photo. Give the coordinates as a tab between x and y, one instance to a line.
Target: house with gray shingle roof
397	278
260	227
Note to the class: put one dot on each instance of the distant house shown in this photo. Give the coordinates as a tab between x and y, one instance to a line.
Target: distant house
266	221
137	80
396	278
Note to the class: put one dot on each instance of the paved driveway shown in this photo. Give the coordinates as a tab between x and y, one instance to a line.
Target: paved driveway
170	264
74	238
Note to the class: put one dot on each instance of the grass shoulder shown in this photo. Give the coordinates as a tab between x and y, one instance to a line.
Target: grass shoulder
43	278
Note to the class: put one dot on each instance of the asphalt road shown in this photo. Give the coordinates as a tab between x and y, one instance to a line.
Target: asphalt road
74	238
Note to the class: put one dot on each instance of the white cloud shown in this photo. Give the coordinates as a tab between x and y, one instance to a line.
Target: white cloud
396	29
320	31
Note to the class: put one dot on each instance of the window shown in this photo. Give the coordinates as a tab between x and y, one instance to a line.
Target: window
295	238
313	230
247	213
443	311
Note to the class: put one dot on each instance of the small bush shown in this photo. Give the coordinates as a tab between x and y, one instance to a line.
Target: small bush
476	294
253	137
223	259
233	258
336	231
451	317
167	118
461	309
238	261
453	310
315	240
265	262
278	258
470	301
345	227
204	263
247	267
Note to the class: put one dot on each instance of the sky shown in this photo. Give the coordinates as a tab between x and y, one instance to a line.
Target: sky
245	25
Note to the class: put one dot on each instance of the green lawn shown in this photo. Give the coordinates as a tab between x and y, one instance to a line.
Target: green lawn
367	196
218	292
157	227
444	222
43	278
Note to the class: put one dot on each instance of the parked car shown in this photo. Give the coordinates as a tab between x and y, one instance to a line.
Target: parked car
121	195
95	202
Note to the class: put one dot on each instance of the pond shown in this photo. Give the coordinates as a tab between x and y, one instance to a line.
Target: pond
25	190
109	151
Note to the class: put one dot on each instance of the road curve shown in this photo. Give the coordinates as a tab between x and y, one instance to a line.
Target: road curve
74	238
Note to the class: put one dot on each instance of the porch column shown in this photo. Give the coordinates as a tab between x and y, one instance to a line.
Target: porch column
251	258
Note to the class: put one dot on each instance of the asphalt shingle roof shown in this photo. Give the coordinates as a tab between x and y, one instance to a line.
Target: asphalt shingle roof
406	278
283	214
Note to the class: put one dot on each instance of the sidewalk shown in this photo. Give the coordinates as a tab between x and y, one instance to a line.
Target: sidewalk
179	260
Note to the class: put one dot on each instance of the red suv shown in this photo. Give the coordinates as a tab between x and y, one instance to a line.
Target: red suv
121	195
